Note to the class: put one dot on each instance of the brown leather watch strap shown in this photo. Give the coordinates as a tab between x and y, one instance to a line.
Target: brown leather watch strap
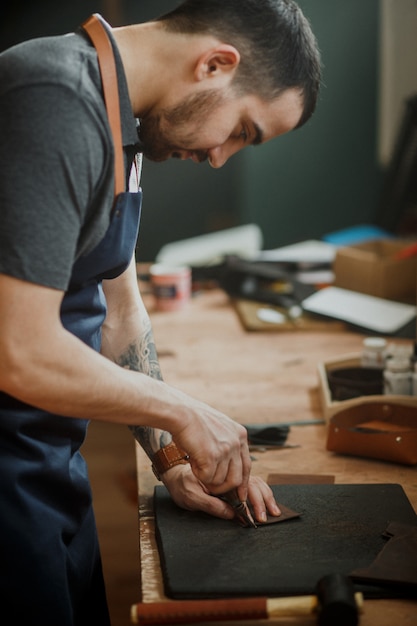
102	44
168	457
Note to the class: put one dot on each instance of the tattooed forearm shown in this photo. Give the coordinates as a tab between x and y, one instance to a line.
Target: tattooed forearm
141	356
151	439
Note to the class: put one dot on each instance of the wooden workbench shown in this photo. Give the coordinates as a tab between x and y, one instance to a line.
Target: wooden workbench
260	377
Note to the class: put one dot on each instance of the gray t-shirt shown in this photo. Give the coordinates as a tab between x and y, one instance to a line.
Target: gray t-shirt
56	157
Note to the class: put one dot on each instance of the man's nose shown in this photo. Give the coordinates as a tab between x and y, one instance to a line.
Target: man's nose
218	156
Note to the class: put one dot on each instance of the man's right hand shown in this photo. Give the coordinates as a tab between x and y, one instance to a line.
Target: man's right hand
218	450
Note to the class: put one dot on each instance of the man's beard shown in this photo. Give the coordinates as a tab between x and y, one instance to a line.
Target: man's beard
160	144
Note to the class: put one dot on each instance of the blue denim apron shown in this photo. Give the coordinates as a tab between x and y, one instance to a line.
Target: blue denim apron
50	565
49	550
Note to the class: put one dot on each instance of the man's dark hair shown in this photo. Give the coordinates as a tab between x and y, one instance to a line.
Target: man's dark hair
277	46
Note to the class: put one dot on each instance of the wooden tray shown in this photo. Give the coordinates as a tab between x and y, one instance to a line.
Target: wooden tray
330	406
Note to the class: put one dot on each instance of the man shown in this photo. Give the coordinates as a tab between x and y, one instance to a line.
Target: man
76	344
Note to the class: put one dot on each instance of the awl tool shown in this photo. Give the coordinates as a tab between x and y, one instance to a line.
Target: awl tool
242	512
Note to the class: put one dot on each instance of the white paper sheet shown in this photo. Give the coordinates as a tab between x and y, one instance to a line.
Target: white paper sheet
377	314
244	241
311	251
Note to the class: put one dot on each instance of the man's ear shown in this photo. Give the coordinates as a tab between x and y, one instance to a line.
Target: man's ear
217	62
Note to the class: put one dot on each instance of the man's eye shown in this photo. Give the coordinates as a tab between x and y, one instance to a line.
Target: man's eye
243	135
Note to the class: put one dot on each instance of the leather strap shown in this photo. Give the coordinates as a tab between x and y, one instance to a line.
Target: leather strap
107	64
168	457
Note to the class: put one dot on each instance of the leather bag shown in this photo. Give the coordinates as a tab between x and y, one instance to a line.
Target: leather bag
379	430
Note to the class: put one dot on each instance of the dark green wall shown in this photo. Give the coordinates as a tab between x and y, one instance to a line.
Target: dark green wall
317	179
324	176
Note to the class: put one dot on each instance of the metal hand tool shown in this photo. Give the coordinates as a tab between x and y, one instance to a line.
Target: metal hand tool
243	515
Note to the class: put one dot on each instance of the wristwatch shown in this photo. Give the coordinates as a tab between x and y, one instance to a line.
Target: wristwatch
168	457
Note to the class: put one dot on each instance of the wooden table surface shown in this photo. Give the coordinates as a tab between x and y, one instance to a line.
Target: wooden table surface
262	378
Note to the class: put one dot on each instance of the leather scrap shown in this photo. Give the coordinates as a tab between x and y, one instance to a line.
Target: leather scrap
396	563
300	479
286	514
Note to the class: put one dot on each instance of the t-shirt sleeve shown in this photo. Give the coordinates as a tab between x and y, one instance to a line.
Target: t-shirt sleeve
53	155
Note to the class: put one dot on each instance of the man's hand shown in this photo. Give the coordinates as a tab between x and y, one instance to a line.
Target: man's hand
217	446
262	499
189	493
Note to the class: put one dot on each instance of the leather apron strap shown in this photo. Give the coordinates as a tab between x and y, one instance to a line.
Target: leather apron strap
107	64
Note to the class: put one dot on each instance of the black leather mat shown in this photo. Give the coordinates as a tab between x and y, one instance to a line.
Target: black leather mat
340	529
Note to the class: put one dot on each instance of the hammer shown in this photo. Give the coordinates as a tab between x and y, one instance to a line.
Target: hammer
335	603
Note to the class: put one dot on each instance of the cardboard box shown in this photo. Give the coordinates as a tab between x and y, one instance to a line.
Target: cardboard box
373	268
330	406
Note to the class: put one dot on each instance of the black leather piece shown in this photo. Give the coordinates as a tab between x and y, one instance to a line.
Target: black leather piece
267	435
340	529
396	563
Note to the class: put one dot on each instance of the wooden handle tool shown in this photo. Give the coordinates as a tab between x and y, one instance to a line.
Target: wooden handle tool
195	611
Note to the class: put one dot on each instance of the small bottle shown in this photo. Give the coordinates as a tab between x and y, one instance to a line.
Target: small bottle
397	377
373	352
